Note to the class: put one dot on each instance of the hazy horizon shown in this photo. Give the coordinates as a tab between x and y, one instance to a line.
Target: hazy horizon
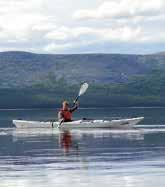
83	53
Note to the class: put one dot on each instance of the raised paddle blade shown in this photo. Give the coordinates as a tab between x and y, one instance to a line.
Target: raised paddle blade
83	88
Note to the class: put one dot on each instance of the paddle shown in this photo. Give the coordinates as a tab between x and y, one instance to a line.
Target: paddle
83	89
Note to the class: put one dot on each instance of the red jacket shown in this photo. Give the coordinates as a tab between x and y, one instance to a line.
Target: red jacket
66	115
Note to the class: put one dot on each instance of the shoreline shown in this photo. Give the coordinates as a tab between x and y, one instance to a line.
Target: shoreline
81	108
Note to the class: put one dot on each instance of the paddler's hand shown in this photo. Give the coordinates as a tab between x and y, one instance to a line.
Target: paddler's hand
60	123
61	120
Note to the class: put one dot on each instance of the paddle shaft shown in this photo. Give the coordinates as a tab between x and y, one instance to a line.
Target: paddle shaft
76	99
60	123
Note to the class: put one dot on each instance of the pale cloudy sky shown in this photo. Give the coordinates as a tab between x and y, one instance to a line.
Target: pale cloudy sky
82	26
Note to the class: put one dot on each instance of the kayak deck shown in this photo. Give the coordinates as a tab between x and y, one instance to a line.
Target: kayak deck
119	123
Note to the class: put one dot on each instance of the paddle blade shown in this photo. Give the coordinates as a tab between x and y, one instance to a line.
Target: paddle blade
83	88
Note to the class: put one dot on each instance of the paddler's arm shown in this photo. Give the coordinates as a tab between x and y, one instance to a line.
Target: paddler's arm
60	117
75	107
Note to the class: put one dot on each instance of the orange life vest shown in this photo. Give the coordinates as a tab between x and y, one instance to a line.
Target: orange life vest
66	114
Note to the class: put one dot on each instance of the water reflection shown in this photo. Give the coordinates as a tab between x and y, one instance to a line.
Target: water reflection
67	143
49	146
49	157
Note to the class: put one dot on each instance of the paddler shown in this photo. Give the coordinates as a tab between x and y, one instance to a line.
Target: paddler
65	113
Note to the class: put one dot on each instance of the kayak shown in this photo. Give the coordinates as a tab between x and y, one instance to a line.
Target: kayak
116	123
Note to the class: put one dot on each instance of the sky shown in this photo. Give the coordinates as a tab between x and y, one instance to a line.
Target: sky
82	26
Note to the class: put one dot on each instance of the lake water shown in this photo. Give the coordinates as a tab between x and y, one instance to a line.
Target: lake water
116	158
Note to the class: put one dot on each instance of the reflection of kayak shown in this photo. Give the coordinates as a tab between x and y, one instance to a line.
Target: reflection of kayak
118	123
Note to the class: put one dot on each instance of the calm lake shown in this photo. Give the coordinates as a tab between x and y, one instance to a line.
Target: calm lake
116	158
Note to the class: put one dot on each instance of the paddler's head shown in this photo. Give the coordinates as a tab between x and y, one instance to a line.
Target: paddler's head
65	105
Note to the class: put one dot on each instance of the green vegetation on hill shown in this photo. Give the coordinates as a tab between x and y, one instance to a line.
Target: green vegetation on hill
145	90
44	80
22	69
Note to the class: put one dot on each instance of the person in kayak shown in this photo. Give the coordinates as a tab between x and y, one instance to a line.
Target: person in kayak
65	114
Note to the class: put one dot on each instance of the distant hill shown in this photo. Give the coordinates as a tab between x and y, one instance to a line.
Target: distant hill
160	53
22	69
29	80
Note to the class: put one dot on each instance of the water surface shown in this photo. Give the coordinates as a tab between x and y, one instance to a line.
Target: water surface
49	157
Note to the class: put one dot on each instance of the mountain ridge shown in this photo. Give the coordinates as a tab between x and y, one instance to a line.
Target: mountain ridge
23	69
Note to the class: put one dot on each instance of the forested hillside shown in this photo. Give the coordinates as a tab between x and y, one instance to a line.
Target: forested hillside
42	80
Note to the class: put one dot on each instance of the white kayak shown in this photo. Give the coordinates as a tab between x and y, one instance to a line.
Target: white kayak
117	123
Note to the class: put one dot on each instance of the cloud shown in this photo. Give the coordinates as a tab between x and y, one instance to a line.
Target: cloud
65	38
72	39
67	33
123	9
19	20
48	25
81	33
